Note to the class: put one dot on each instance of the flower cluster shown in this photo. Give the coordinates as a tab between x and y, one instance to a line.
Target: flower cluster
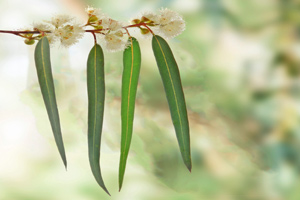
111	33
167	23
62	28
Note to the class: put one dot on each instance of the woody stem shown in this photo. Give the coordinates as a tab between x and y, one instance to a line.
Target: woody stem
18	33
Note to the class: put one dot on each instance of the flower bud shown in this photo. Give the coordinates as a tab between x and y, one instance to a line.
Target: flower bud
135	21
29	41
119	33
98	27
93	18
144	31
145	19
151	23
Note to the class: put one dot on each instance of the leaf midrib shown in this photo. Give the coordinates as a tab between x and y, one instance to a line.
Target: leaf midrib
96	98
175	95
128	98
48	91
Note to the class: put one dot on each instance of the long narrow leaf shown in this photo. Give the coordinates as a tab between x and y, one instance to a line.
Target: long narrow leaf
43	67
96	95
171	80
131	72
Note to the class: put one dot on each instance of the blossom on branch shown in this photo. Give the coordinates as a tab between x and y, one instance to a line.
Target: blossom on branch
115	41
112	33
108	30
168	23
61	28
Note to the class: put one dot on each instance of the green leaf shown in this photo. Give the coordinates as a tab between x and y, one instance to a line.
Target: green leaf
131	72
96	96
43	67
171	80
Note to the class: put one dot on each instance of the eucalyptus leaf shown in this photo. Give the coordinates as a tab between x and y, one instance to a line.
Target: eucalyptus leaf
44	72
172	84
96	96
131	72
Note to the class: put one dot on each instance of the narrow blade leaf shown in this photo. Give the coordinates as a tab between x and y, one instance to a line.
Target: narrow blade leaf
96	96
44	72
131	72
172	83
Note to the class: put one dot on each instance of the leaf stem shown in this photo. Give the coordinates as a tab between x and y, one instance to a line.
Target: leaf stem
95	39
127	32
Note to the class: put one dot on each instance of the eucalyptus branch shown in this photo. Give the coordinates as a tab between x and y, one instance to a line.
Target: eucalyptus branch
64	29
95	30
67	31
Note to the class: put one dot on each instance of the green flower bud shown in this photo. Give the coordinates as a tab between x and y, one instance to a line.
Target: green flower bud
144	31
135	21
98	27
29	41
145	19
151	23
93	18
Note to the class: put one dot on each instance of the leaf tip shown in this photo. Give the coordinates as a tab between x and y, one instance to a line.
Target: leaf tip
189	166
190	169
65	162
120	184
106	191
66	167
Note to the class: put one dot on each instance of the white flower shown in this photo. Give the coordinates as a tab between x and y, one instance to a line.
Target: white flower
172	29
112	25
151	16
69	34
93	11
51	38
115	41
42	27
64	29
59	20
168	23
46	27
166	16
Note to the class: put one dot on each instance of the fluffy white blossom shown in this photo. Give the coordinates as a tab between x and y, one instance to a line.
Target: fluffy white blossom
63	28
42	27
93	11
59	20
69	34
51	38
115	41
112	34
168	23
109	24
151	16
171	23
172	29
166	16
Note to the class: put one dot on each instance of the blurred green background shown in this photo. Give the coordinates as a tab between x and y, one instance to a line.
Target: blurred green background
240	67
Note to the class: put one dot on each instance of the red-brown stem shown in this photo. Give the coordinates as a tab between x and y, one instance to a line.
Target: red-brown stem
127	32
149	29
18	33
22	32
95	39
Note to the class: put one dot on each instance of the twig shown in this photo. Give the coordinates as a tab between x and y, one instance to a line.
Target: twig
95	39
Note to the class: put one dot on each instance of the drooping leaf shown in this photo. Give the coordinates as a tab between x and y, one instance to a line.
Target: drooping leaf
172	83
131	71
44	72
96	96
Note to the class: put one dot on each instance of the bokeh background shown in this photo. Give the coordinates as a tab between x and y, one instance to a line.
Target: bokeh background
240	67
